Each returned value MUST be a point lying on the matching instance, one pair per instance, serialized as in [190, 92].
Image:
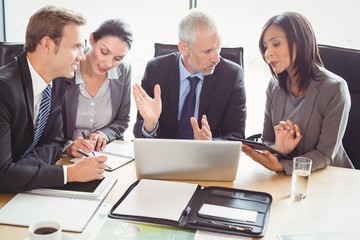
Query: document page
[157, 199]
[118, 154]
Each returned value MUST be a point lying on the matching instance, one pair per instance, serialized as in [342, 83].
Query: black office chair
[235, 54]
[8, 51]
[346, 63]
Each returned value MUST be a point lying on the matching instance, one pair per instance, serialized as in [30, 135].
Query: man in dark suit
[220, 92]
[53, 49]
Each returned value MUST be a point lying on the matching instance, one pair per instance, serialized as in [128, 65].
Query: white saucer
[63, 237]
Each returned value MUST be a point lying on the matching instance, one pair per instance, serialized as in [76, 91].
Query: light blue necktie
[44, 111]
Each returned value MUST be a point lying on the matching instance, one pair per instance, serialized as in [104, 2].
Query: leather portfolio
[192, 206]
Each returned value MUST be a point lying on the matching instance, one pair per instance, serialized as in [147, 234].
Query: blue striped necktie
[185, 130]
[43, 115]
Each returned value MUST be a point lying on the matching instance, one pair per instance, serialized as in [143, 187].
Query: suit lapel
[208, 87]
[308, 106]
[27, 84]
[172, 86]
[71, 104]
[115, 101]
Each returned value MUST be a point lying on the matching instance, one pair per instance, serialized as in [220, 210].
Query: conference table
[332, 204]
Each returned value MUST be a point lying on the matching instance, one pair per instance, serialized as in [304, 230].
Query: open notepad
[71, 206]
[118, 154]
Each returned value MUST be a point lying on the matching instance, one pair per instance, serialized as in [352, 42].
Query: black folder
[235, 200]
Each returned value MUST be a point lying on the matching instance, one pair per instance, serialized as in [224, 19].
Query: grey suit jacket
[120, 90]
[222, 97]
[323, 119]
[36, 169]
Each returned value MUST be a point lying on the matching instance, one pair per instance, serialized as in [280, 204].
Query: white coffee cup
[45, 230]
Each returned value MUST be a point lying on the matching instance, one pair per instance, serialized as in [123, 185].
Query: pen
[88, 155]
[223, 225]
[84, 136]
[83, 153]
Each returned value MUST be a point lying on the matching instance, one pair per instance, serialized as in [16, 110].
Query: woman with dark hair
[307, 106]
[97, 100]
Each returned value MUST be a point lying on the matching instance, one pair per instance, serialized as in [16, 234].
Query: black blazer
[37, 168]
[222, 98]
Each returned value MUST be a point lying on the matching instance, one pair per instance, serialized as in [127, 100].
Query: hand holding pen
[87, 154]
[82, 143]
[89, 168]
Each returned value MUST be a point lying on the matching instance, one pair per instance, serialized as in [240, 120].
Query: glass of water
[300, 177]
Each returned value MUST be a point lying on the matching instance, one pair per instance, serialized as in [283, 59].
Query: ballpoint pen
[225, 226]
[83, 153]
[88, 155]
[84, 136]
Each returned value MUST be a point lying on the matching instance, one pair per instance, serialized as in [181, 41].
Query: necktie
[44, 111]
[184, 130]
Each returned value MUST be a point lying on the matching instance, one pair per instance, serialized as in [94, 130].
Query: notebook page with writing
[71, 211]
[118, 154]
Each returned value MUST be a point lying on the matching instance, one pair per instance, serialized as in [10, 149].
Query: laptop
[175, 159]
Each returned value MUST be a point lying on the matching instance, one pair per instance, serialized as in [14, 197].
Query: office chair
[346, 63]
[235, 54]
[8, 51]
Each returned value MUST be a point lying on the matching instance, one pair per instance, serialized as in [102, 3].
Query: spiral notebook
[118, 154]
[72, 208]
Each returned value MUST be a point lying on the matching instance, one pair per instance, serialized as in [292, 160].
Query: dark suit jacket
[36, 169]
[222, 97]
[120, 90]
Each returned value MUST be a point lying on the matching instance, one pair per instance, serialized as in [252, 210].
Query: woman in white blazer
[97, 100]
[307, 106]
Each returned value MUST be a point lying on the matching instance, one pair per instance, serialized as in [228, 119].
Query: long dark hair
[300, 34]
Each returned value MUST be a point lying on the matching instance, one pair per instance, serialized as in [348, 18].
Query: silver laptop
[175, 159]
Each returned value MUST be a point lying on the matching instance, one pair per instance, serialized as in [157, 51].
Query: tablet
[261, 147]
[83, 189]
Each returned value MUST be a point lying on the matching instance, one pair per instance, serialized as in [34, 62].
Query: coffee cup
[45, 230]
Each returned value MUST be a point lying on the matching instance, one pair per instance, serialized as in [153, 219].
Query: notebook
[175, 159]
[118, 154]
[72, 206]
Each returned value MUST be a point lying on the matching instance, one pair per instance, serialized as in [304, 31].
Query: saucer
[63, 237]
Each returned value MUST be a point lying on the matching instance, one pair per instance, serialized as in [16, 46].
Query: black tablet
[261, 147]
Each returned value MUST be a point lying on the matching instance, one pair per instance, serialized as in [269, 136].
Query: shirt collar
[113, 73]
[38, 82]
[184, 73]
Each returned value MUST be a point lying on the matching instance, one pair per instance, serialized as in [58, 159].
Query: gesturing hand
[149, 108]
[204, 133]
[287, 136]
